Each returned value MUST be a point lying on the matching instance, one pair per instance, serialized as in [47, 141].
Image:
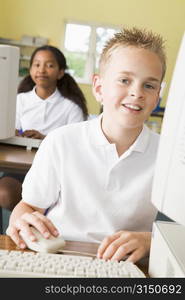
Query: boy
[95, 177]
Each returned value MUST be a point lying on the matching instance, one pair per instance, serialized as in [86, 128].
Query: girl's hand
[133, 244]
[33, 134]
[18, 132]
[35, 219]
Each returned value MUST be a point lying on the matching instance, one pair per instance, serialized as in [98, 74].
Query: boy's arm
[24, 215]
[135, 245]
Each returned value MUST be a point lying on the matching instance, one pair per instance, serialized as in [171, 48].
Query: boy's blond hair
[135, 37]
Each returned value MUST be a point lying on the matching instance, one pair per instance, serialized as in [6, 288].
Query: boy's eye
[124, 80]
[149, 86]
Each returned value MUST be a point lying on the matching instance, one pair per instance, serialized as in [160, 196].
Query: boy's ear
[97, 88]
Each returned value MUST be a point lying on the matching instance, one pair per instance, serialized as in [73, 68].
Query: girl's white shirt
[32, 112]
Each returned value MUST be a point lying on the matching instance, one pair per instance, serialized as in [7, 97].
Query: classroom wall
[2, 23]
[46, 18]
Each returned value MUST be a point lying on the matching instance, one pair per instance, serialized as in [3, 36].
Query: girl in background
[47, 98]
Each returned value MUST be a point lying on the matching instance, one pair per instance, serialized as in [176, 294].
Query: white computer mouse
[50, 245]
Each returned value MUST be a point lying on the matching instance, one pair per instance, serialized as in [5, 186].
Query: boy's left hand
[135, 245]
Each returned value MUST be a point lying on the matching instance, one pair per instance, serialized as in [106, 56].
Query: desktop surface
[15, 158]
[91, 248]
[79, 247]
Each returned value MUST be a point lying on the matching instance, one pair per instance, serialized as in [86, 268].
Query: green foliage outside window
[76, 63]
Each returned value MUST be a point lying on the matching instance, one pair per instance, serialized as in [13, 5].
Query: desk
[15, 158]
[91, 248]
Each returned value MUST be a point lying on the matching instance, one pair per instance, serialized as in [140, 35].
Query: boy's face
[129, 86]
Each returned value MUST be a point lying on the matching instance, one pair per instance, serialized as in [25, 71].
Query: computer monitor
[9, 66]
[168, 193]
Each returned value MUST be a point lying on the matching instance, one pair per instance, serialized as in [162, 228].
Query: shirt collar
[98, 138]
[141, 142]
[96, 134]
[53, 96]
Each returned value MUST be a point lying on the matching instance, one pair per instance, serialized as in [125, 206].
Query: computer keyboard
[46, 265]
[29, 143]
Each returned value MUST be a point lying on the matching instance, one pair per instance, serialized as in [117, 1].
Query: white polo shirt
[32, 112]
[91, 191]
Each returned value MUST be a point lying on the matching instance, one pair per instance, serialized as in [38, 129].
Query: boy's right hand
[35, 219]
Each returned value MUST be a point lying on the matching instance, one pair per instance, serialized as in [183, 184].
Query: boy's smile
[129, 87]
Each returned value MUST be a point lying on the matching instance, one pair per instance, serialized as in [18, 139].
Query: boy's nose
[136, 92]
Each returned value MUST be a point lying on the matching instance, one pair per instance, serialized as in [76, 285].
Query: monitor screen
[9, 66]
[168, 193]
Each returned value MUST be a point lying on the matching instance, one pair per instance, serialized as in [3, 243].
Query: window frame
[91, 54]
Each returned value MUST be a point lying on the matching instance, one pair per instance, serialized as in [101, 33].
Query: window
[83, 44]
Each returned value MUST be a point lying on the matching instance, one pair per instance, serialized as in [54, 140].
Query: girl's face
[44, 70]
